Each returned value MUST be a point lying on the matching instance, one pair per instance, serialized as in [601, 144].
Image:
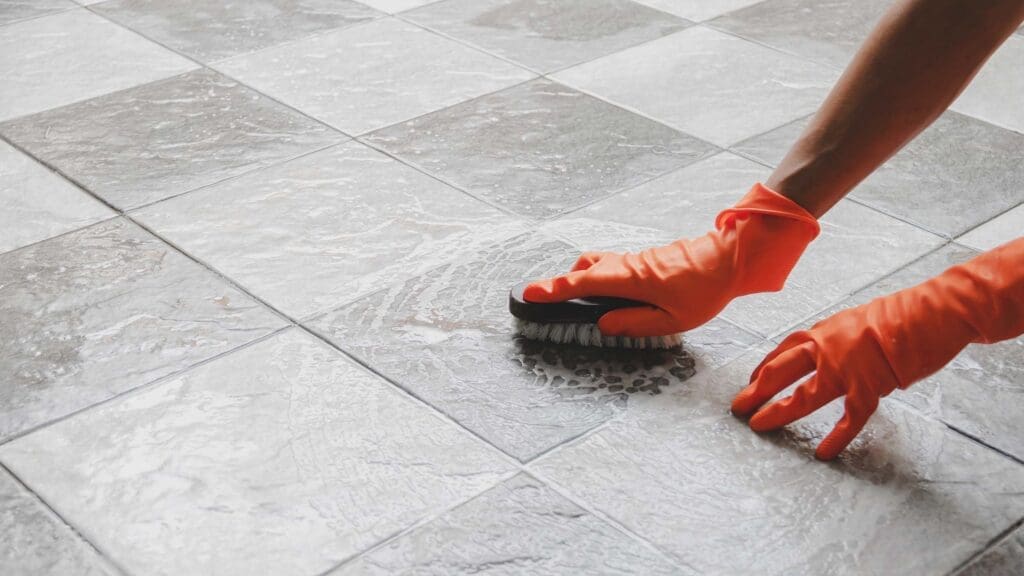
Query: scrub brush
[575, 322]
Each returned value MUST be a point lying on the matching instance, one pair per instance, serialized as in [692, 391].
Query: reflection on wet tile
[446, 337]
[981, 392]
[997, 231]
[539, 148]
[59, 59]
[1005, 559]
[37, 542]
[37, 203]
[168, 137]
[91, 314]
[994, 94]
[14, 10]
[679, 469]
[373, 75]
[210, 31]
[547, 34]
[957, 174]
[518, 527]
[697, 10]
[827, 32]
[300, 456]
[321, 230]
[723, 89]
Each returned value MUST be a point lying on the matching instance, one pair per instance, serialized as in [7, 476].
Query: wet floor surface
[254, 259]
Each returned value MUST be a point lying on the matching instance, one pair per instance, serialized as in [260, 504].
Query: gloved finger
[559, 288]
[587, 259]
[858, 411]
[773, 376]
[638, 322]
[808, 397]
[793, 340]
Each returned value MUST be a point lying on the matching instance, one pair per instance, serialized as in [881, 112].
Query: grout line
[57, 12]
[993, 543]
[974, 438]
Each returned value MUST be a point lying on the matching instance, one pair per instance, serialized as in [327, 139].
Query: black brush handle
[580, 310]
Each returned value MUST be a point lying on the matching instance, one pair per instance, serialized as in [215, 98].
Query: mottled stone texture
[14, 10]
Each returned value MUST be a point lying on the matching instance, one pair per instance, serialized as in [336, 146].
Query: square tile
[319, 231]
[56, 60]
[39, 543]
[697, 10]
[520, 526]
[162, 139]
[209, 31]
[1004, 559]
[97, 312]
[395, 6]
[994, 94]
[301, 457]
[955, 175]
[39, 204]
[723, 89]
[374, 75]
[680, 470]
[827, 32]
[995, 232]
[540, 148]
[981, 391]
[15, 10]
[447, 337]
[547, 35]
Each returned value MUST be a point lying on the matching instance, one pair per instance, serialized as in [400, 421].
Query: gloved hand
[866, 352]
[753, 248]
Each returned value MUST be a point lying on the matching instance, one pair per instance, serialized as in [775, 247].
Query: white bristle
[590, 335]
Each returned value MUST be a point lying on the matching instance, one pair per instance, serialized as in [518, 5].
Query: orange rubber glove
[891, 342]
[754, 246]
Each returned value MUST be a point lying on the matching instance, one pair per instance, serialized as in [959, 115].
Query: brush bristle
[589, 335]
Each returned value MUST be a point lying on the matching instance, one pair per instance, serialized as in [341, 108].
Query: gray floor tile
[209, 31]
[827, 32]
[519, 527]
[321, 230]
[395, 6]
[15, 10]
[37, 203]
[680, 470]
[997, 231]
[982, 391]
[37, 542]
[723, 89]
[697, 10]
[994, 94]
[548, 34]
[1005, 559]
[957, 174]
[539, 148]
[94, 313]
[446, 337]
[158, 140]
[56, 60]
[282, 458]
[374, 75]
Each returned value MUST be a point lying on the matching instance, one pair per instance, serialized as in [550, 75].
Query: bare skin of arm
[914, 64]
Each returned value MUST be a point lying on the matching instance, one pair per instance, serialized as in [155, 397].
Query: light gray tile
[321, 230]
[771, 147]
[548, 34]
[37, 203]
[999, 230]
[723, 89]
[697, 10]
[955, 175]
[539, 148]
[93, 313]
[1005, 559]
[446, 336]
[981, 392]
[15, 10]
[994, 94]
[395, 6]
[373, 75]
[168, 137]
[680, 470]
[518, 527]
[37, 542]
[281, 458]
[209, 31]
[828, 32]
[56, 60]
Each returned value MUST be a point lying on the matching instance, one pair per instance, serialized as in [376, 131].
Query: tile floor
[253, 264]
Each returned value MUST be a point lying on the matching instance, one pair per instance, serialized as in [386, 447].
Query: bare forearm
[921, 55]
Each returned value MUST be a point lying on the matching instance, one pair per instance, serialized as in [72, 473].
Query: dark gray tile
[91, 314]
[280, 458]
[1005, 559]
[210, 31]
[37, 542]
[14, 10]
[518, 527]
[539, 148]
[446, 337]
[154, 141]
[548, 34]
